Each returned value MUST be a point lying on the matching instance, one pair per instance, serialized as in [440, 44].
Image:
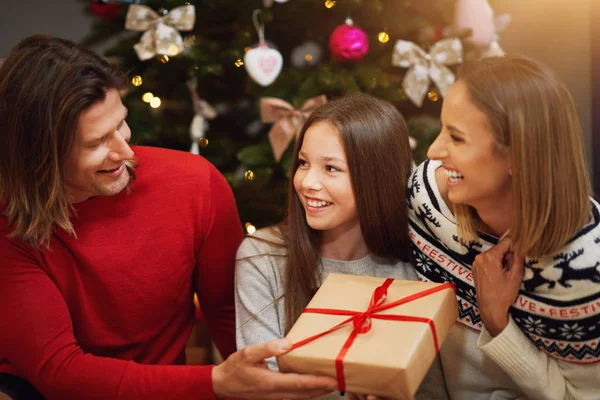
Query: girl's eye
[302, 163]
[331, 168]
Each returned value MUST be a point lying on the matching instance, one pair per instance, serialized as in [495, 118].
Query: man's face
[96, 164]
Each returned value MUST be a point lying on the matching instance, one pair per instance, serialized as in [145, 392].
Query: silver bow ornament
[425, 67]
[202, 112]
[161, 34]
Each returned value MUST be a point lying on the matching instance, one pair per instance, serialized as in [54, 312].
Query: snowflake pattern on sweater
[558, 307]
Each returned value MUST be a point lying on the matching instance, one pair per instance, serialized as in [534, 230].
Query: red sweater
[107, 315]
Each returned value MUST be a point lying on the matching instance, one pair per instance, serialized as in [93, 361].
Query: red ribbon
[362, 321]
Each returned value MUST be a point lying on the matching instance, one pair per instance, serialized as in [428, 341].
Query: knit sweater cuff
[511, 350]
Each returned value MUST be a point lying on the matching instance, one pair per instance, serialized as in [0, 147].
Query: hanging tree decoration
[348, 43]
[476, 18]
[202, 112]
[262, 62]
[307, 54]
[161, 34]
[287, 120]
[425, 67]
[493, 48]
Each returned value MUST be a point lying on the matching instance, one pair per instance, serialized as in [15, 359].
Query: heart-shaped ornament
[263, 64]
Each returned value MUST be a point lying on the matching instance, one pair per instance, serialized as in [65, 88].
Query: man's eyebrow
[124, 117]
[92, 140]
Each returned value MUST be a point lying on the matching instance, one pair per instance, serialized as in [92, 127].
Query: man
[103, 246]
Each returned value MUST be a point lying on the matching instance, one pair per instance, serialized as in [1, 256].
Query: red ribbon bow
[362, 321]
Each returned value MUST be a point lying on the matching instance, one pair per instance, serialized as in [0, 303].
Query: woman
[349, 165]
[502, 210]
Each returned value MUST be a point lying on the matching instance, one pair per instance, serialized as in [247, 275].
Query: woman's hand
[498, 274]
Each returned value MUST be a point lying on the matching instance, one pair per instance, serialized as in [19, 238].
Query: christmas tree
[321, 53]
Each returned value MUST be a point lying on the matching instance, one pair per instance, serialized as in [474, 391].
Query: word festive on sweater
[161, 35]
[558, 306]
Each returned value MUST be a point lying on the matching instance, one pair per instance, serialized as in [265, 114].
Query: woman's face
[322, 181]
[478, 170]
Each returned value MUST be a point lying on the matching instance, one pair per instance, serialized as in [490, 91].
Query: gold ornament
[287, 120]
[425, 67]
[330, 3]
[383, 37]
[164, 58]
[161, 34]
[136, 80]
[249, 175]
[433, 96]
[239, 62]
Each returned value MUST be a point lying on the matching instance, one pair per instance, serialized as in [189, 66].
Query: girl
[508, 162]
[350, 164]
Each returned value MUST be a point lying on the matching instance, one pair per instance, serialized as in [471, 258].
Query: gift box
[376, 336]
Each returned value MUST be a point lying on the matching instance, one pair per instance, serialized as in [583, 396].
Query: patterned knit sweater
[558, 306]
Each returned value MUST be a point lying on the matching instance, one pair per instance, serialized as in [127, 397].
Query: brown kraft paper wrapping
[392, 358]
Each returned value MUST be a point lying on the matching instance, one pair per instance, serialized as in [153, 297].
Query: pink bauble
[348, 43]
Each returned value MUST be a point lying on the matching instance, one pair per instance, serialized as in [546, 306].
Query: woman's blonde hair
[534, 119]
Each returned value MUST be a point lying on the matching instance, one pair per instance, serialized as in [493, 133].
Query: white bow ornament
[425, 67]
[161, 34]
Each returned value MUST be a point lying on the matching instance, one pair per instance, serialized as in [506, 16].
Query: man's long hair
[45, 85]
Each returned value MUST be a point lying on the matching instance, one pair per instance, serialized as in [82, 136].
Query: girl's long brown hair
[379, 161]
[45, 84]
